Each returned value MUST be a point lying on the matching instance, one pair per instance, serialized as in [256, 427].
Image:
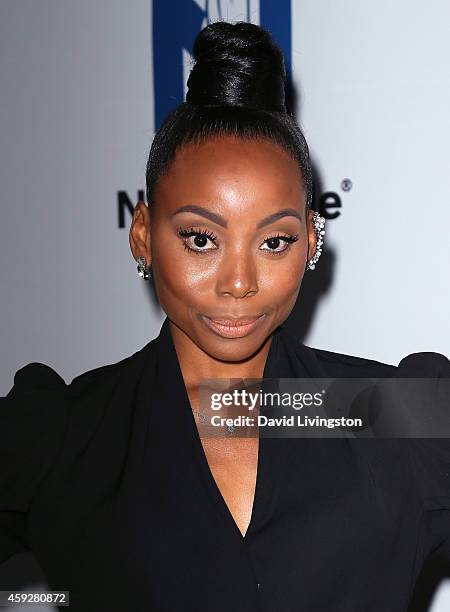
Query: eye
[275, 242]
[195, 239]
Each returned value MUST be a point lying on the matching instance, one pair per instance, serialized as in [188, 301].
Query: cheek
[178, 274]
[282, 277]
[186, 277]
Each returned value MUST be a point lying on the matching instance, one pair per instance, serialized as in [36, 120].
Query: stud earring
[319, 224]
[142, 269]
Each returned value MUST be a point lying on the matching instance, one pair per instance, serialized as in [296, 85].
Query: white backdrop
[76, 126]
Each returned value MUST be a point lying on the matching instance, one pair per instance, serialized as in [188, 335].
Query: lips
[234, 322]
[235, 327]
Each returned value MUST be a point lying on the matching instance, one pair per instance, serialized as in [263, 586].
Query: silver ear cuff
[142, 269]
[319, 224]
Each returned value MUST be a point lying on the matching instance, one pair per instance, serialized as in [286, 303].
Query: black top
[106, 480]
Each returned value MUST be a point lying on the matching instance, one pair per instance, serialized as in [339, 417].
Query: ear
[312, 238]
[139, 236]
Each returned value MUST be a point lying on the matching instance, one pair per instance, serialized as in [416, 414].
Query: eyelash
[194, 231]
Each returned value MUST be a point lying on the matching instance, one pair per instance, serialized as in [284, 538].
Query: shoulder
[37, 390]
[425, 364]
[324, 363]
[35, 410]
[350, 361]
[102, 379]
[334, 364]
[418, 364]
[427, 458]
[39, 393]
[35, 376]
[36, 415]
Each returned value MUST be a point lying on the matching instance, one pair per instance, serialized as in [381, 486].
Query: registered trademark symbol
[346, 184]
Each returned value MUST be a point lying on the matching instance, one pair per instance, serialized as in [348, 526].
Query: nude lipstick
[233, 328]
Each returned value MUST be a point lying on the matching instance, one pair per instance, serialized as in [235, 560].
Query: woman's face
[227, 239]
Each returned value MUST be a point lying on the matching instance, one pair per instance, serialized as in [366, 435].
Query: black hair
[236, 87]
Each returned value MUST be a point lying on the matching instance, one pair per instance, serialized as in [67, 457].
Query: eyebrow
[219, 220]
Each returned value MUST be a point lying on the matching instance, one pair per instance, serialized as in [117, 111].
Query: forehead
[230, 170]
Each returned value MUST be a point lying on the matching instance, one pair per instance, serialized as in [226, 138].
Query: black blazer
[106, 480]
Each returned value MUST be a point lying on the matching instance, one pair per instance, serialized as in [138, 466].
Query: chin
[233, 350]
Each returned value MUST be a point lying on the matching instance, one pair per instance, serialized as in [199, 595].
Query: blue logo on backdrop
[176, 24]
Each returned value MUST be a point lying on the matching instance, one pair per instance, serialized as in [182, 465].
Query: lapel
[287, 358]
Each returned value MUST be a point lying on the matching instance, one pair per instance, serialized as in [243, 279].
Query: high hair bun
[237, 65]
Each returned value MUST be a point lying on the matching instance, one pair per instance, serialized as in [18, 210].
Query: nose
[237, 275]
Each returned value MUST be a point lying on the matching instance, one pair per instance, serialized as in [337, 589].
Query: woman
[107, 480]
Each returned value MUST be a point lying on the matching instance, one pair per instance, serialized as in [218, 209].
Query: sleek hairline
[195, 124]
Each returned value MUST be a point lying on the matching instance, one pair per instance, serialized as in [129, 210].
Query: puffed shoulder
[35, 376]
[424, 364]
[32, 423]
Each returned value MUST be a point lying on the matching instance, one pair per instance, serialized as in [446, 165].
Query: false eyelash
[289, 238]
[193, 231]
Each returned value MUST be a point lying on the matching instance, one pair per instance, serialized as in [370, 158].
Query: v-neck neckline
[272, 452]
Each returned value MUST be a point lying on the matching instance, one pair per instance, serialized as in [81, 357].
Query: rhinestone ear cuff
[319, 225]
